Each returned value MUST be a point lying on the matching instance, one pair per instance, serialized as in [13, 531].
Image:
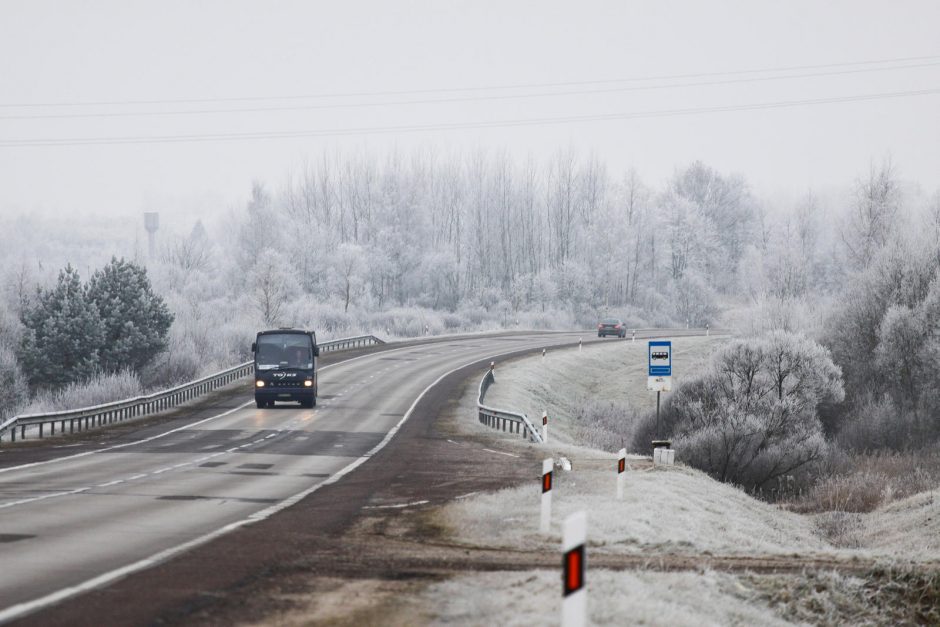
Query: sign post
[660, 372]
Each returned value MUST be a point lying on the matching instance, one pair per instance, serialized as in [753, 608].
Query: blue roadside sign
[660, 358]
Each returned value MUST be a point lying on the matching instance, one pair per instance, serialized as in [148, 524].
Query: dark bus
[286, 367]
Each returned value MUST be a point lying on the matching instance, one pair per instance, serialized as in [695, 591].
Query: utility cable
[470, 89]
[125, 114]
[85, 141]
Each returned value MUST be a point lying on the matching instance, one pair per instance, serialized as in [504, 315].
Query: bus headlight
[308, 383]
[259, 384]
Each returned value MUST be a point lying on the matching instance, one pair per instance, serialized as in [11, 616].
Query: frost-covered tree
[63, 335]
[872, 216]
[348, 265]
[751, 416]
[271, 284]
[135, 320]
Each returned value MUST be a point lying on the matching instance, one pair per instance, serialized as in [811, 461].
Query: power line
[86, 141]
[369, 94]
[124, 114]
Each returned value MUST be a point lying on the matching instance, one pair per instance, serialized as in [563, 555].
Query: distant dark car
[611, 326]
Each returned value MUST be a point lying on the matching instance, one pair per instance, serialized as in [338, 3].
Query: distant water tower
[152, 223]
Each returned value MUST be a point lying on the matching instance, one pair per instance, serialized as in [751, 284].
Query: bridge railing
[503, 419]
[75, 420]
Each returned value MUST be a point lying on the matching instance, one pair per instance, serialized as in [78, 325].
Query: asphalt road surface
[80, 518]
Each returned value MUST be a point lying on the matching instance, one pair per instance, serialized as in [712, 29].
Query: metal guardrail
[108, 413]
[503, 419]
[350, 342]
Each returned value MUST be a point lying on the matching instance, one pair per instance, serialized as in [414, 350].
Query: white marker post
[547, 465]
[544, 427]
[574, 599]
[543, 353]
[633, 337]
[621, 471]
[579, 344]
[706, 329]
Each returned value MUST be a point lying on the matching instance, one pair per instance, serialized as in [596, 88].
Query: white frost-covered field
[674, 510]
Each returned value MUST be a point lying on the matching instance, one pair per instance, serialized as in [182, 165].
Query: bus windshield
[281, 351]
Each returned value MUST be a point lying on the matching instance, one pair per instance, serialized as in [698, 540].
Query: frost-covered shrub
[751, 416]
[876, 424]
[100, 389]
[451, 321]
[864, 482]
[14, 389]
[549, 319]
[603, 425]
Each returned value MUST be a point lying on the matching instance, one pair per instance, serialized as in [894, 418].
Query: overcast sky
[168, 60]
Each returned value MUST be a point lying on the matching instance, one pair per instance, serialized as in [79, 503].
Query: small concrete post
[545, 522]
[621, 471]
[574, 594]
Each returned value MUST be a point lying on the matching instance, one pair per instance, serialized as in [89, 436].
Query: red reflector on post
[574, 570]
[621, 465]
[546, 482]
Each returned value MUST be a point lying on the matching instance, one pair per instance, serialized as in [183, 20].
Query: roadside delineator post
[633, 337]
[621, 471]
[574, 594]
[547, 465]
[706, 329]
[579, 344]
[543, 353]
[544, 427]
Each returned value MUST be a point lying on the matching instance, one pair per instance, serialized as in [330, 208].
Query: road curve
[73, 523]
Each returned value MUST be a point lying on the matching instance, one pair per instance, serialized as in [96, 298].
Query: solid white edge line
[400, 506]
[27, 607]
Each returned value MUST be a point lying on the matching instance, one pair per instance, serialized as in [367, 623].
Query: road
[66, 521]
[76, 522]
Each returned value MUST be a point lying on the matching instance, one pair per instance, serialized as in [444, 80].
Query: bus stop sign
[660, 359]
